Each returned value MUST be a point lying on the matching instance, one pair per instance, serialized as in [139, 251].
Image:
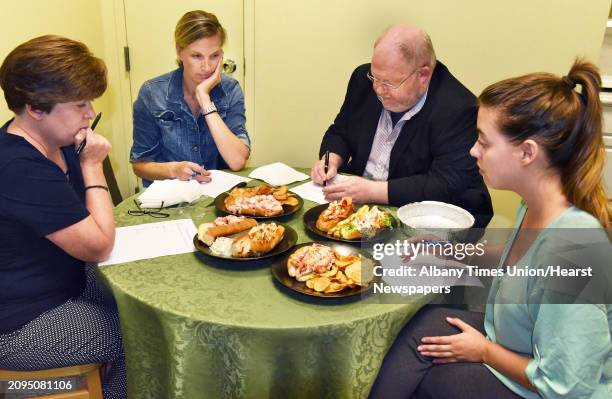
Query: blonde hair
[195, 25]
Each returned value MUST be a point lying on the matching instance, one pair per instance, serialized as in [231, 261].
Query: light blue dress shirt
[569, 344]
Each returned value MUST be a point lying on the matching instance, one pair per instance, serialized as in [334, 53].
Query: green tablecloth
[198, 328]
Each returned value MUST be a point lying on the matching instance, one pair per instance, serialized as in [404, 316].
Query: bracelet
[210, 112]
[96, 186]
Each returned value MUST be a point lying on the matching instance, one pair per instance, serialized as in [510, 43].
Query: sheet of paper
[278, 174]
[314, 192]
[170, 192]
[152, 240]
[221, 182]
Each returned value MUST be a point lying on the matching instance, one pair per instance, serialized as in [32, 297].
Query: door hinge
[126, 56]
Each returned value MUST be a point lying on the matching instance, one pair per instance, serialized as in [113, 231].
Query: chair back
[113, 188]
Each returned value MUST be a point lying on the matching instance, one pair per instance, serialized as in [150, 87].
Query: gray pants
[80, 331]
[407, 374]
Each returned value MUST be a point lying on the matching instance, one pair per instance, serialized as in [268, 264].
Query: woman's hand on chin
[204, 88]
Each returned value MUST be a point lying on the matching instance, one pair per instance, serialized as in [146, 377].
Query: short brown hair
[48, 70]
[195, 25]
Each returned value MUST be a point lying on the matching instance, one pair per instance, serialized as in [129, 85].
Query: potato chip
[310, 283]
[345, 262]
[290, 201]
[281, 190]
[334, 287]
[353, 271]
[360, 274]
[341, 277]
[264, 189]
[330, 273]
[321, 283]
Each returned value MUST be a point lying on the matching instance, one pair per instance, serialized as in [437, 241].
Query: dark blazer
[430, 159]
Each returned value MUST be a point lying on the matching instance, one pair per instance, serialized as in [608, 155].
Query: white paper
[220, 183]
[278, 174]
[152, 240]
[314, 192]
[174, 191]
[170, 192]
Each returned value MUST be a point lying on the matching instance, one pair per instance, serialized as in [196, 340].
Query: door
[150, 35]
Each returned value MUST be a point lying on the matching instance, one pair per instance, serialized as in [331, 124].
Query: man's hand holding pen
[319, 174]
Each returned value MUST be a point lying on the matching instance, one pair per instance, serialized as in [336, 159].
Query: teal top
[569, 344]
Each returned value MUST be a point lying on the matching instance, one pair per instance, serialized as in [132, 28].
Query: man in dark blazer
[407, 126]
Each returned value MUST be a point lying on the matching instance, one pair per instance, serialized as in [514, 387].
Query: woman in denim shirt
[193, 118]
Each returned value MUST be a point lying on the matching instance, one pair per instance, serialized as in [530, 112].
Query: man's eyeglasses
[387, 84]
[156, 213]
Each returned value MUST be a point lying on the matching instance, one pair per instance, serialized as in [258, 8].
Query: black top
[430, 159]
[36, 199]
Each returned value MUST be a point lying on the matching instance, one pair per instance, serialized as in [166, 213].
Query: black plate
[286, 244]
[287, 210]
[310, 221]
[280, 273]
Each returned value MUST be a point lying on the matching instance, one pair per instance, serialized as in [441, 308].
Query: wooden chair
[91, 372]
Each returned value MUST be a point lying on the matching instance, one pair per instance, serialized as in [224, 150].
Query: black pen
[326, 166]
[93, 126]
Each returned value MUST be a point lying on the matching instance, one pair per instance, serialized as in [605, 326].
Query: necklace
[26, 135]
[60, 160]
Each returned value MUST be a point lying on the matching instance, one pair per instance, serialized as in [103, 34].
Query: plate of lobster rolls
[259, 202]
[320, 269]
[243, 238]
[343, 220]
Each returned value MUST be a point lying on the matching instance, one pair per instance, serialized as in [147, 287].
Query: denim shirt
[165, 130]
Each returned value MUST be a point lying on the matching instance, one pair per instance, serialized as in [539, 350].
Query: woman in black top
[55, 214]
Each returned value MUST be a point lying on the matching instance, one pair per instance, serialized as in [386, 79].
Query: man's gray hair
[421, 53]
[416, 48]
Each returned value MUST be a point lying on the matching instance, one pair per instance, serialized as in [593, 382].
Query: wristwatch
[209, 109]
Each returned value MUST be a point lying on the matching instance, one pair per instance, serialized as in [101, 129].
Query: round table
[195, 327]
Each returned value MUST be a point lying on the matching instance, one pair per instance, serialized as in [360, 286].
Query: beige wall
[306, 50]
[24, 20]
[299, 55]
[80, 20]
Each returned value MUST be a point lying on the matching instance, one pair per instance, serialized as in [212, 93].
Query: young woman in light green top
[540, 136]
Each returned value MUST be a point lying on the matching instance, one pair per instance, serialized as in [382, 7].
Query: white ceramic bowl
[444, 220]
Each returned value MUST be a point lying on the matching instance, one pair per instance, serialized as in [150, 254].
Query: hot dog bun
[292, 267]
[260, 240]
[223, 226]
[335, 213]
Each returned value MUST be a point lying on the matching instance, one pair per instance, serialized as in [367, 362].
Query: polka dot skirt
[80, 331]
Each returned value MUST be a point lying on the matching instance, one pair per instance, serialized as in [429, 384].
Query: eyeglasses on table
[155, 212]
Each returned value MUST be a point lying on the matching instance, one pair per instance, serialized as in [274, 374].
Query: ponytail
[583, 173]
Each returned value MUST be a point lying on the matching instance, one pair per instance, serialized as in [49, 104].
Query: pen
[194, 173]
[326, 166]
[93, 126]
